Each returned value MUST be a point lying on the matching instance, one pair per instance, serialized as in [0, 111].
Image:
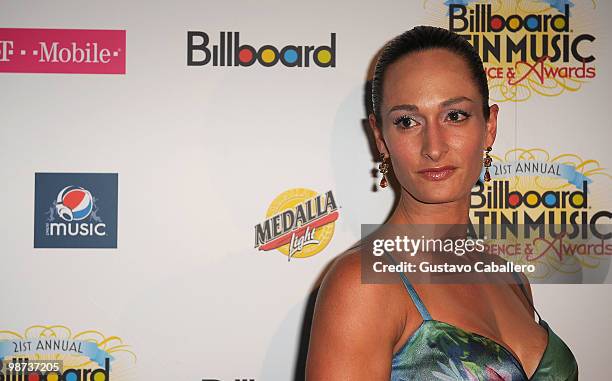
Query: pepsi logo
[74, 203]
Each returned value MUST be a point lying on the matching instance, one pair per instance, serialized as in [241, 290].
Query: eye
[404, 122]
[456, 116]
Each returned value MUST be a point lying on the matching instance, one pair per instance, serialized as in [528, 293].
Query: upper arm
[353, 330]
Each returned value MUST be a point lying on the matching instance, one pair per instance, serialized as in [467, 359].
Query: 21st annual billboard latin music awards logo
[230, 50]
[528, 48]
[75, 210]
[76, 51]
[299, 223]
[531, 189]
[56, 353]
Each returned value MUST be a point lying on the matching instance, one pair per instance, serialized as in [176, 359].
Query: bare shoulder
[343, 290]
[523, 292]
[524, 280]
[355, 325]
[344, 274]
[527, 285]
[343, 284]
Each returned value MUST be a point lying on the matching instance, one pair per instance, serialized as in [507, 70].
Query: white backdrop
[201, 152]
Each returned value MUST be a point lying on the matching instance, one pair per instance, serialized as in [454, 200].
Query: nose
[434, 142]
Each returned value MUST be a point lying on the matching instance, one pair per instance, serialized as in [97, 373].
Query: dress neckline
[514, 358]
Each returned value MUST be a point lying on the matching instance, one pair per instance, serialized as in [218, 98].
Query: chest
[497, 313]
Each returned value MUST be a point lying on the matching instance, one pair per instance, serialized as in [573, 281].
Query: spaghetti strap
[520, 282]
[412, 292]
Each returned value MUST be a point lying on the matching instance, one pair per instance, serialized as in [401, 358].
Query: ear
[378, 135]
[491, 128]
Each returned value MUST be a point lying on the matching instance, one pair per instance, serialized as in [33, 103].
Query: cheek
[468, 149]
[405, 153]
[469, 153]
[465, 149]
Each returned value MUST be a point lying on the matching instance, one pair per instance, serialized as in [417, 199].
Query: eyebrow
[446, 103]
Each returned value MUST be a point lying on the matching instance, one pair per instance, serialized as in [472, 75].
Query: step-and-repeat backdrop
[155, 156]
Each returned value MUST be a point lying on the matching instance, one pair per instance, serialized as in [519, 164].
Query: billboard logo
[528, 48]
[75, 216]
[530, 187]
[77, 51]
[57, 353]
[229, 52]
[520, 36]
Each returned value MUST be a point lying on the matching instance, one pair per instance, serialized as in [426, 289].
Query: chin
[441, 198]
[438, 193]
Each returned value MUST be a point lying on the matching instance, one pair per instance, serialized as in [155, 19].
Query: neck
[411, 211]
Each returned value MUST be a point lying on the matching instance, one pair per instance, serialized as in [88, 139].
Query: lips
[437, 173]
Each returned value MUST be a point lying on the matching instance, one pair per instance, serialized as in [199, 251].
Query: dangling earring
[487, 163]
[383, 168]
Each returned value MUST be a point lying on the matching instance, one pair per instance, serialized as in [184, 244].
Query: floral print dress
[439, 351]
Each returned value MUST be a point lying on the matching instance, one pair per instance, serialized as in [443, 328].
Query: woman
[431, 122]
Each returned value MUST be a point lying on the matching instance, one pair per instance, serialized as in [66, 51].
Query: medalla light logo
[69, 215]
[230, 52]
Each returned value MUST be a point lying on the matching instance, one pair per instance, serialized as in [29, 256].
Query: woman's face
[433, 127]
